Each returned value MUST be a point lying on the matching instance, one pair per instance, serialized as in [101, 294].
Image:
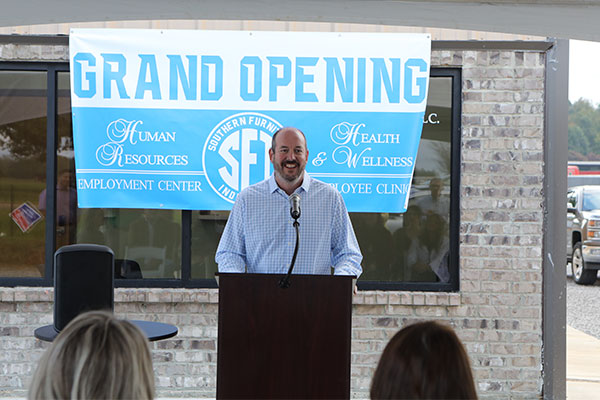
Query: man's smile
[290, 164]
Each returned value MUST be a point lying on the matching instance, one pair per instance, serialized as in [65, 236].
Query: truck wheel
[581, 275]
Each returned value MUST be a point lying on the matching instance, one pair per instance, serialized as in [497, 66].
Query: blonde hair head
[96, 356]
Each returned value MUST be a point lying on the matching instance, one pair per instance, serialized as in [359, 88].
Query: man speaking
[259, 236]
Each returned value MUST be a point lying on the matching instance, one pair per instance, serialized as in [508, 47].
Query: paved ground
[583, 307]
[583, 341]
[583, 362]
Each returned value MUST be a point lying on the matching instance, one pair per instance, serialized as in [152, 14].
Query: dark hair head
[424, 361]
[414, 209]
[436, 219]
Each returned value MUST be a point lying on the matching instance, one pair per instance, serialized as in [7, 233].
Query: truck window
[591, 201]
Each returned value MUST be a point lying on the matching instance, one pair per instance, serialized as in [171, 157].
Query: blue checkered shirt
[259, 236]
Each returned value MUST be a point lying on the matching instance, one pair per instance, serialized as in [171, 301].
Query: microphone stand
[284, 283]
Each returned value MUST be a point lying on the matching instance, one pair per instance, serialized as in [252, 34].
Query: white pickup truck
[583, 232]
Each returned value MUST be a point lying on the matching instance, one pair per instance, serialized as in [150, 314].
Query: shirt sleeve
[231, 253]
[345, 252]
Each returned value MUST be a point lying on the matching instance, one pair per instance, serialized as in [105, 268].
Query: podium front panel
[284, 343]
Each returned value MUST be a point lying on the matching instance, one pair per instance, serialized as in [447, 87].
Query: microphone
[295, 208]
[284, 283]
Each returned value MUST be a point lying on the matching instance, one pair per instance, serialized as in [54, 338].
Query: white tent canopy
[569, 19]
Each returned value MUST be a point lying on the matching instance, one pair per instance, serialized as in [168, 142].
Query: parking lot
[583, 308]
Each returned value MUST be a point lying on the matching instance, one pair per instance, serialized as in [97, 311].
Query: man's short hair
[283, 129]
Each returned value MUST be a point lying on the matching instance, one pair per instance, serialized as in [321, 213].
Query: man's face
[436, 188]
[290, 155]
[64, 180]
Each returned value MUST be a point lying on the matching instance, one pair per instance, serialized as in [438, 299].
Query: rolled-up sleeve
[345, 252]
[231, 253]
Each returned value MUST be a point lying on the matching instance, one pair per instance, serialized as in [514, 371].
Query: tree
[584, 130]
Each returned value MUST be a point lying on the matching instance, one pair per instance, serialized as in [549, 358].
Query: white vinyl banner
[184, 119]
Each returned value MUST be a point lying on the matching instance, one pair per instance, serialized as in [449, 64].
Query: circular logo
[236, 153]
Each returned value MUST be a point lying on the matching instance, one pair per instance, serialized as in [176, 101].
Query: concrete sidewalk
[583, 366]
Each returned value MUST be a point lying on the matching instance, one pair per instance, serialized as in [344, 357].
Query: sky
[584, 71]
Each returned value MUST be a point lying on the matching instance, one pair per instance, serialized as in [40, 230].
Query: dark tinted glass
[146, 243]
[23, 108]
[413, 247]
[207, 228]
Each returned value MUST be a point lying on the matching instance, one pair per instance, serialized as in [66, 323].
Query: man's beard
[280, 169]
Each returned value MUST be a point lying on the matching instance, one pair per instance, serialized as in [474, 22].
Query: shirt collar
[305, 183]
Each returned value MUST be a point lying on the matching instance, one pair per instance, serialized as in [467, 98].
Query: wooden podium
[291, 343]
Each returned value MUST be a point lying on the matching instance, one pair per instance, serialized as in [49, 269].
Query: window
[207, 228]
[149, 239]
[417, 250]
[23, 123]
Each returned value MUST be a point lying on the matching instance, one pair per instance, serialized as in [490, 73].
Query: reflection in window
[23, 108]
[66, 207]
[152, 238]
[414, 246]
[67, 214]
[207, 228]
[146, 243]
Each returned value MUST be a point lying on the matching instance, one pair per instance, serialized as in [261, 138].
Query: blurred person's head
[434, 223]
[412, 217]
[435, 186]
[424, 361]
[96, 356]
[64, 179]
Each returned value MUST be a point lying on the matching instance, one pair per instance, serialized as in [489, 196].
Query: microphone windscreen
[295, 205]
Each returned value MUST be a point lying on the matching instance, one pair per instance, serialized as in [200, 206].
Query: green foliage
[25, 139]
[20, 190]
[584, 131]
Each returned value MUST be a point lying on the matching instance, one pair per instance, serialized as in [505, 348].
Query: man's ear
[271, 153]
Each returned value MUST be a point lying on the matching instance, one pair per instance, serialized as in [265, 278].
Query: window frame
[454, 222]
[52, 69]
[186, 280]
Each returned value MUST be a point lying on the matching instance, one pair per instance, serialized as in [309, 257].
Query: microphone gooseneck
[284, 283]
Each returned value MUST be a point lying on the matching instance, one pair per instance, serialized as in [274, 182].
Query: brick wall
[497, 313]
[501, 199]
